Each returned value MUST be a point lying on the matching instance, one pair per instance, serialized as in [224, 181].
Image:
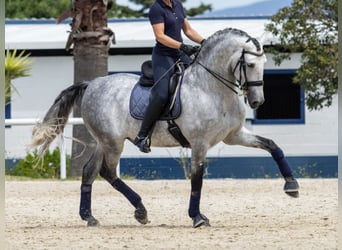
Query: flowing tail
[57, 116]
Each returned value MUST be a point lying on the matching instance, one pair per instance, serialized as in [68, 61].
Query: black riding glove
[189, 49]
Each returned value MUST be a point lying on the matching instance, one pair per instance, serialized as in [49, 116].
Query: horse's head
[244, 58]
[248, 68]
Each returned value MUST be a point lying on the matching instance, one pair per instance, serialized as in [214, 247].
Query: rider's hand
[189, 49]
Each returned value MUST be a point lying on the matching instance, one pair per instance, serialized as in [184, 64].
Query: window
[284, 101]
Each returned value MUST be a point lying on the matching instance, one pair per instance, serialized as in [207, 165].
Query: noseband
[242, 66]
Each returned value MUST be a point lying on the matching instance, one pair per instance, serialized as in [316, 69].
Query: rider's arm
[191, 33]
[158, 30]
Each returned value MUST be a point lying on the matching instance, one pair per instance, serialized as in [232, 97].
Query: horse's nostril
[255, 105]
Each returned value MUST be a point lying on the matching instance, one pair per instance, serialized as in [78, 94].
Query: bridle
[242, 65]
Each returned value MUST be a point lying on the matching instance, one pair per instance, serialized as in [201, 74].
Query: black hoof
[140, 214]
[293, 194]
[291, 187]
[200, 220]
[92, 222]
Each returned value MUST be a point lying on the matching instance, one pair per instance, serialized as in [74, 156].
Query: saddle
[140, 94]
[139, 99]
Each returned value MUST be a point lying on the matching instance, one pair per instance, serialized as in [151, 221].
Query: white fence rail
[31, 121]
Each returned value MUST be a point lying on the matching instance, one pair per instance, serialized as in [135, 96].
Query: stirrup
[143, 143]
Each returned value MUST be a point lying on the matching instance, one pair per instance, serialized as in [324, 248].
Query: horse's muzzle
[256, 104]
[255, 99]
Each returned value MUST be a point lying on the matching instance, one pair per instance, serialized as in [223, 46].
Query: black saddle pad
[139, 100]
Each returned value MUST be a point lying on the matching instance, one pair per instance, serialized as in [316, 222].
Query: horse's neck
[217, 62]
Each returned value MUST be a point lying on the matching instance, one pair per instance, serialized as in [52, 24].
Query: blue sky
[216, 4]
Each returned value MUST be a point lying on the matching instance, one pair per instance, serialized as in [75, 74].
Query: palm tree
[15, 66]
[90, 37]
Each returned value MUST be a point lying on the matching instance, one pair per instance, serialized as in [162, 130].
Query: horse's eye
[251, 65]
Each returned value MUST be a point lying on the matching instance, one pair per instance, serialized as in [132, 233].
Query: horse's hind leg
[108, 172]
[245, 138]
[90, 171]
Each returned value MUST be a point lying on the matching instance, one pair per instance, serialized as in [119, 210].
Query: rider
[167, 18]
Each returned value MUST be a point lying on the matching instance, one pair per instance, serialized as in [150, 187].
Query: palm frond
[16, 65]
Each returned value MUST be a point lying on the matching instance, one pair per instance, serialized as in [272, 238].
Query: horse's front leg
[245, 138]
[291, 186]
[197, 169]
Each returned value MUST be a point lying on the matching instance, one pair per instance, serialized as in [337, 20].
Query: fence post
[62, 157]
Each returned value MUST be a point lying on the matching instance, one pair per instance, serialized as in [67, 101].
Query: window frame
[8, 110]
[301, 119]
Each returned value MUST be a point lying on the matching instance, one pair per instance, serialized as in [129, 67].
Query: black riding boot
[153, 111]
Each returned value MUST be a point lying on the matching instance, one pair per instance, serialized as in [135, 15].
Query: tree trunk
[89, 63]
[91, 39]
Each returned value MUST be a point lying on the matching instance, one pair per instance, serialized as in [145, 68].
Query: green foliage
[142, 11]
[36, 9]
[198, 10]
[310, 27]
[15, 66]
[312, 171]
[185, 162]
[34, 167]
[53, 9]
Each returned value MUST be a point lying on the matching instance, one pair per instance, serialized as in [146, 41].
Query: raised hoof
[293, 194]
[200, 220]
[92, 222]
[291, 187]
[140, 214]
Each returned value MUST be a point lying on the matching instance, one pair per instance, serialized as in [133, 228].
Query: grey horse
[230, 63]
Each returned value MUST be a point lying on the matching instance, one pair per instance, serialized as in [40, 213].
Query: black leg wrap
[195, 197]
[197, 179]
[85, 204]
[291, 186]
[194, 203]
[132, 196]
[283, 165]
[140, 212]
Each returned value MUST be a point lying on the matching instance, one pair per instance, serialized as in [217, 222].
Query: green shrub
[46, 167]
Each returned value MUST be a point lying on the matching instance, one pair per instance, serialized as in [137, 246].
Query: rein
[242, 67]
[222, 79]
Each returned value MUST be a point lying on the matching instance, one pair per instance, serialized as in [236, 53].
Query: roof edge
[123, 20]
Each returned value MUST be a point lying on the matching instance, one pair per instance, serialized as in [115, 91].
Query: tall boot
[153, 111]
